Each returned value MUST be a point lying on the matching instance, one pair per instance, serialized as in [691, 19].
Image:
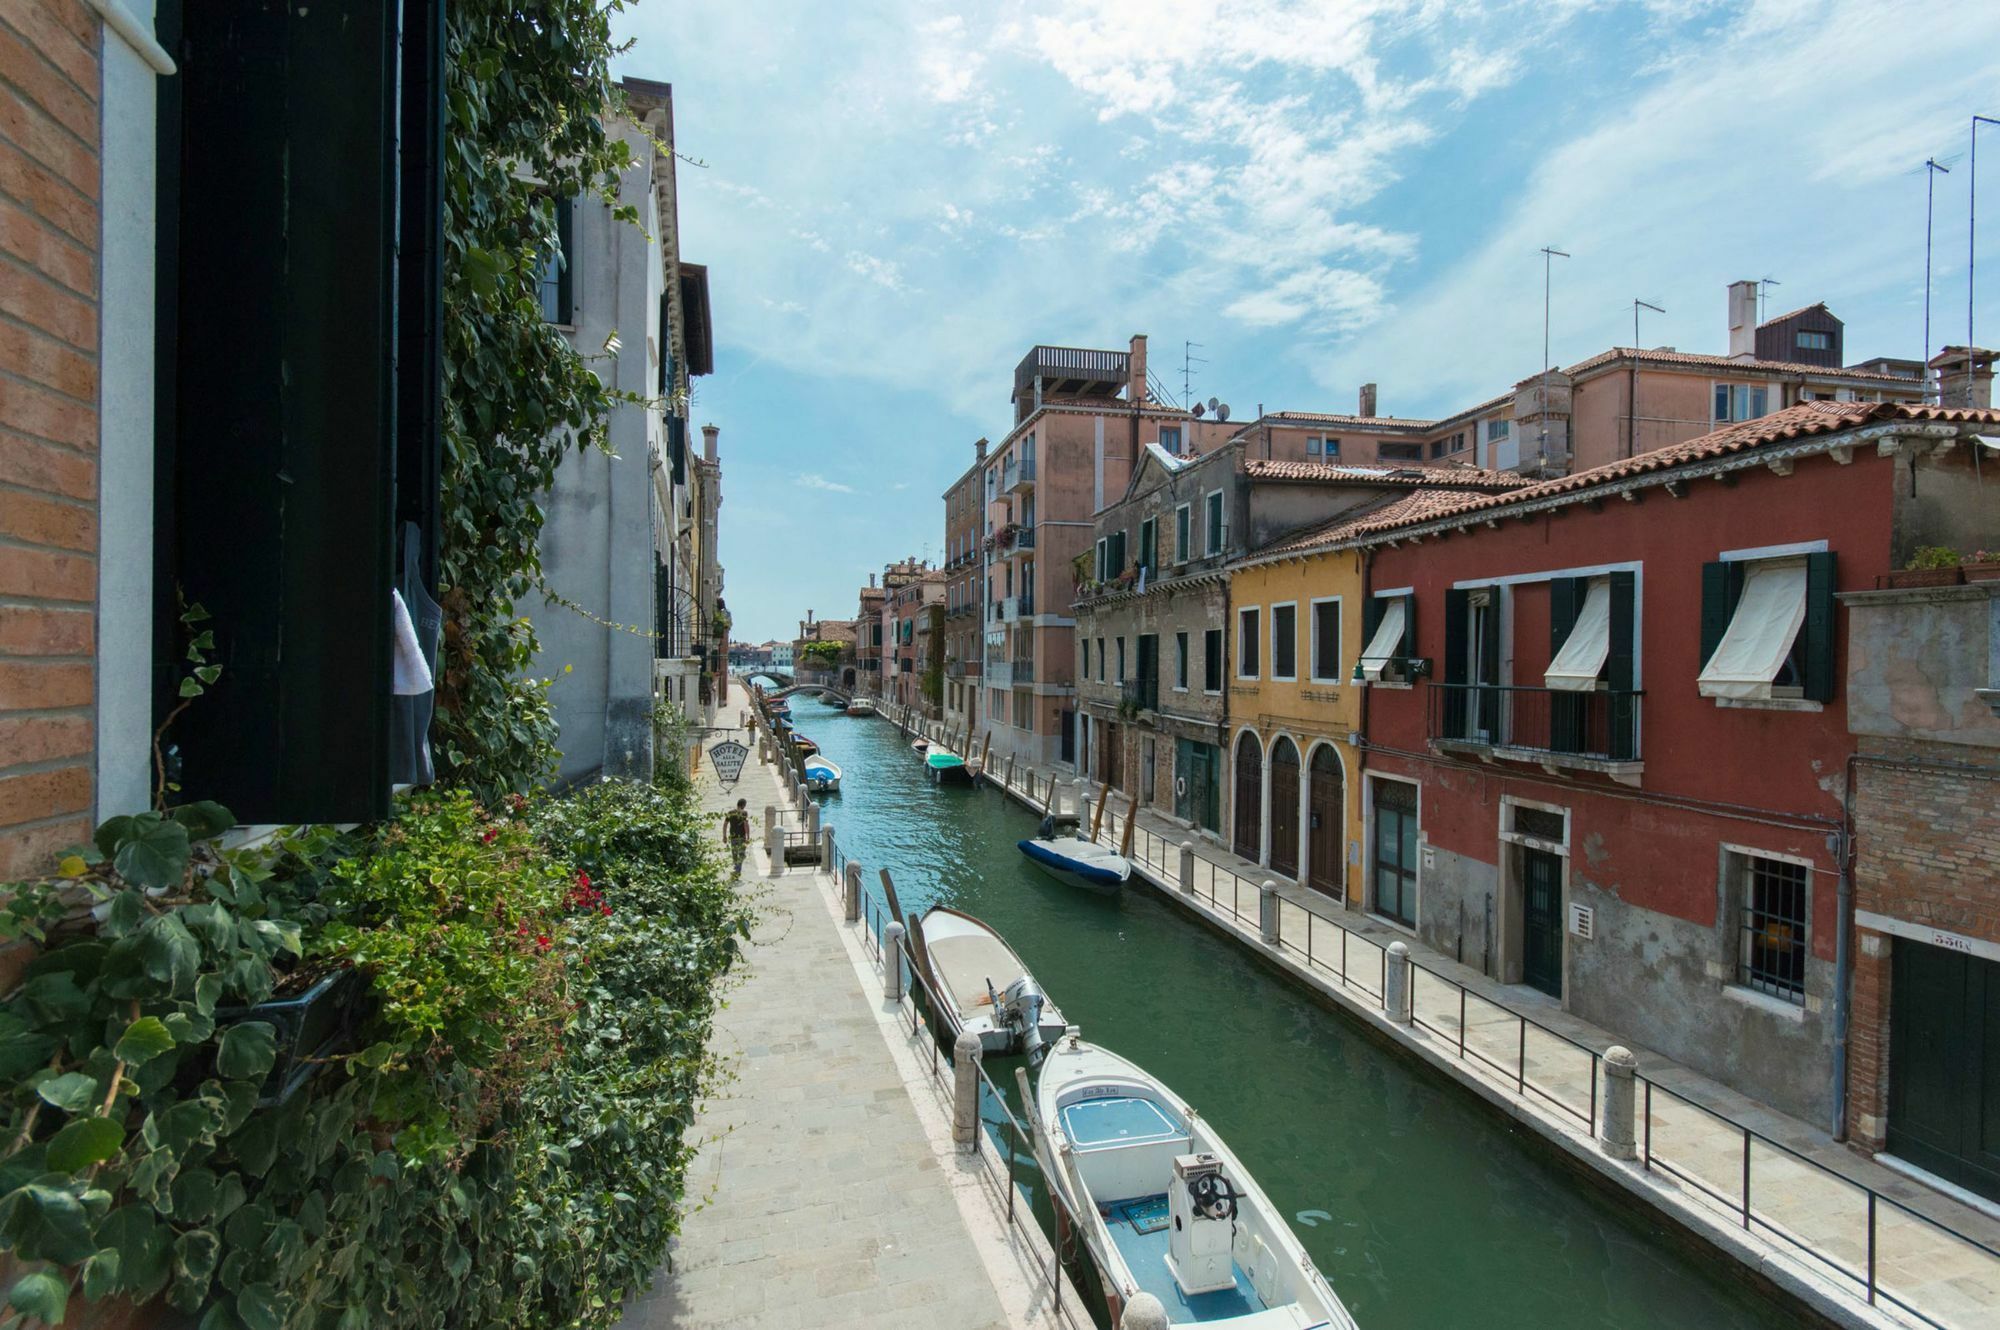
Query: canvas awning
[1760, 634]
[1581, 660]
[1387, 643]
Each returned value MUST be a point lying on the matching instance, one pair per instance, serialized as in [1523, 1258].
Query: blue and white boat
[1164, 1206]
[822, 774]
[1059, 849]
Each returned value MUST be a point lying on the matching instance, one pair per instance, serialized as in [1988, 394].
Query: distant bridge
[826, 692]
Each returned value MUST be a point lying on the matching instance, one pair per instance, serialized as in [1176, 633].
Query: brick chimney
[1742, 320]
[981, 446]
[709, 434]
[1368, 399]
[1964, 378]
[1135, 383]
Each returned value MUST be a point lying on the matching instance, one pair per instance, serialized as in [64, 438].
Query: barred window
[1773, 908]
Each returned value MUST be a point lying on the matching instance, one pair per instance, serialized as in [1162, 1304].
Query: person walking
[736, 833]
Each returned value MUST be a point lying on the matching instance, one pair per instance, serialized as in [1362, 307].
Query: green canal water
[1423, 1209]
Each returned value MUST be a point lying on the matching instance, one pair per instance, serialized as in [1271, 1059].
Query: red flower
[522, 931]
[607, 911]
[583, 881]
[492, 834]
[542, 942]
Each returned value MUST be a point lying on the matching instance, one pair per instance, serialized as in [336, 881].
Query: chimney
[709, 434]
[1742, 320]
[871, 581]
[981, 446]
[1964, 377]
[1135, 383]
[1368, 399]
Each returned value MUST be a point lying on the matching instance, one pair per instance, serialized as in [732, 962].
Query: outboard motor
[1201, 1207]
[1020, 1008]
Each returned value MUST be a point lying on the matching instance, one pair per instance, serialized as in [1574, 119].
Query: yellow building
[1294, 779]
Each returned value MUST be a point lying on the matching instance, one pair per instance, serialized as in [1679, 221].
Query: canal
[1423, 1208]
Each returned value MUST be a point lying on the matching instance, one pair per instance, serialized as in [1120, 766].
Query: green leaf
[41, 1294]
[208, 673]
[169, 952]
[190, 687]
[153, 852]
[100, 1273]
[196, 1252]
[83, 1142]
[261, 1307]
[205, 819]
[248, 1050]
[141, 1243]
[45, 1223]
[143, 1040]
[72, 1092]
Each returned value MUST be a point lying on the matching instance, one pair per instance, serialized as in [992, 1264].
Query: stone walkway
[824, 1201]
[1809, 1200]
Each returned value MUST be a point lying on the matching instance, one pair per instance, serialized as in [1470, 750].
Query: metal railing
[1602, 724]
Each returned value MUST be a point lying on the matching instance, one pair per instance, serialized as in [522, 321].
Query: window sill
[1795, 1012]
[1768, 704]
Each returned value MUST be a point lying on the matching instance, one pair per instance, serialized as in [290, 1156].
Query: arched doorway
[1249, 795]
[1285, 808]
[1327, 824]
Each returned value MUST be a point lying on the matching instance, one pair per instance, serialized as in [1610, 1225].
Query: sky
[897, 199]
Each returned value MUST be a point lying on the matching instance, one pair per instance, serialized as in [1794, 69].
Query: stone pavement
[824, 1200]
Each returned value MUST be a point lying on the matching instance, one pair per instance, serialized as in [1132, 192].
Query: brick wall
[49, 226]
[1927, 851]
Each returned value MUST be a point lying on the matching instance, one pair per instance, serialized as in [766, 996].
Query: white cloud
[812, 480]
[882, 272]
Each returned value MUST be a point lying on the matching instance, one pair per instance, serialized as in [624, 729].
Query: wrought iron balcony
[1022, 669]
[1551, 726]
[1013, 538]
[1143, 692]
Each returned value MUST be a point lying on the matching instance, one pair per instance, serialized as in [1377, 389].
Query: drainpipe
[1631, 406]
[1367, 556]
[1843, 952]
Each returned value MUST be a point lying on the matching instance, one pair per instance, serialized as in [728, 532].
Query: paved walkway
[827, 1201]
[1809, 1205]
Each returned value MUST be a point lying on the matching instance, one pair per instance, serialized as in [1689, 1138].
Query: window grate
[1774, 928]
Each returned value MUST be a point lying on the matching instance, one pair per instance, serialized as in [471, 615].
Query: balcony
[1144, 693]
[1013, 538]
[1000, 674]
[1018, 477]
[1072, 371]
[1551, 727]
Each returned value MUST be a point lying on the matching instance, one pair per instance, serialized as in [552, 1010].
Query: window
[1400, 452]
[1437, 448]
[1211, 660]
[1498, 429]
[1285, 642]
[1180, 662]
[1249, 622]
[1149, 531]
[1114, 553]
[554, 285]
[1772, 908]
[1170, 438]
[1815, 341]
[1394, 851]
[1312, 445]
[1767, 628]
[1183, 533]
[1103, 550]
[1100, 660]
[1326, 641]
[1120, 676]
[1738, 401]
[1214, 523]
[1389, 638]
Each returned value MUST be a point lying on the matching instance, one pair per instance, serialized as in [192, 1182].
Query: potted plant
[1981, 566]
[313, 1018]
[1930, 565]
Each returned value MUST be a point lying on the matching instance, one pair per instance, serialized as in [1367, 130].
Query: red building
[1607, 755]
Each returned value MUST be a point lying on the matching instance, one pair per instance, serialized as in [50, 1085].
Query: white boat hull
[1082, 864]
[967, 962]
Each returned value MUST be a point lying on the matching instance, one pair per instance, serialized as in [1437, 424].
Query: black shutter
[1326, 640]
[1820, 605]
[1457, 653]
[677, 447]
[1565, 600]
[1721, 588]
[565, 270]
[666, 336]
[278, 457]
[1406, 646]
[1566, 709]
[1371, 619]
[1620, 666]
[420, 283]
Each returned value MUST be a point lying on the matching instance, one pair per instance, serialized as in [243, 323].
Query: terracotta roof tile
[1358, 473]
[1744, 365]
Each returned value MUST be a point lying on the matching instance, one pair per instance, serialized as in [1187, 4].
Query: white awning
[1760, 636]
[1386, 645]
[1581, 660]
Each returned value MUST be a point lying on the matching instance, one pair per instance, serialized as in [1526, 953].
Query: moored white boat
[1163, 1204]
[861, 706]
[982, 986]
[822, 774]
[1059, 849]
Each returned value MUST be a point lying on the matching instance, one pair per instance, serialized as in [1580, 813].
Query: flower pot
[310, 1026]
[1921, 577]
[1988, 571]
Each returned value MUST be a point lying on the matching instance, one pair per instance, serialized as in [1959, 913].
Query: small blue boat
[1059, 850]
[822, 774]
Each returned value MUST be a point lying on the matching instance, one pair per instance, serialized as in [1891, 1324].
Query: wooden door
[1249, 813]
[1326, 826]
[1944, 1064]
[1285, 808]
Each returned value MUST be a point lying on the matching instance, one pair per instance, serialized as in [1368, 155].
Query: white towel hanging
[412, 675]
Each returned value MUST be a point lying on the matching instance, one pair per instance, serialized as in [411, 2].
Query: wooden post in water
[986, 752]
[1097, 818]
[1131, 824]
[1010, 771]
[889, 894]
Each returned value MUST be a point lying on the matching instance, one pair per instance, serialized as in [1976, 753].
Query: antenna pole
[1931, 174]
[1549, 255]
[1972, 225]
[1638, 305]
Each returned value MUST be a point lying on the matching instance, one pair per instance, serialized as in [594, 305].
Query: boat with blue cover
[1164, 1206]
[1060, 849]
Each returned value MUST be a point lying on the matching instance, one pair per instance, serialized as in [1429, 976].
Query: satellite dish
[1213, 404]
[1222, 412]
[1198, 409]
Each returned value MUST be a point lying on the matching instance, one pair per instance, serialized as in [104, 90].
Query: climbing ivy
[528, 91]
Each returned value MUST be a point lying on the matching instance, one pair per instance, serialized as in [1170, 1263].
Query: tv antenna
[1549, 255]
[1933, 168]
[1188, 361]
[1764, 285]
[1971, 226]
[1637, 305]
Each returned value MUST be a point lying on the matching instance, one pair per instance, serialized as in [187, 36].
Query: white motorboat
[822, 774]
[1060, 849]
[1164, 1206]
[861, 706]
[982, 986]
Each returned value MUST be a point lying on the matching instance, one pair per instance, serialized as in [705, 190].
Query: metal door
[1944, 1064]
[1541, 921]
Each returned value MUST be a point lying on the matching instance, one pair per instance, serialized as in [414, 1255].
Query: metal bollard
[1267, 913]
[1144, 1312]
[965, 1056]
[1621, 1100]
[1396, 984]
[892, 961]
[1187, 867]
[774, 848]
[851, 894]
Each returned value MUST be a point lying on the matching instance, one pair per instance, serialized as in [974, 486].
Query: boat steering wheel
[1213, 1197]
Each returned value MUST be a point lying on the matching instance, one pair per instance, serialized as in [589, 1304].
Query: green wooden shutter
[1566, 710]
[1457, 654]
[1407, 648]
[1621, 666]
[1565, 600]
[1820, 606]
[1721, 588]
[565, 268]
